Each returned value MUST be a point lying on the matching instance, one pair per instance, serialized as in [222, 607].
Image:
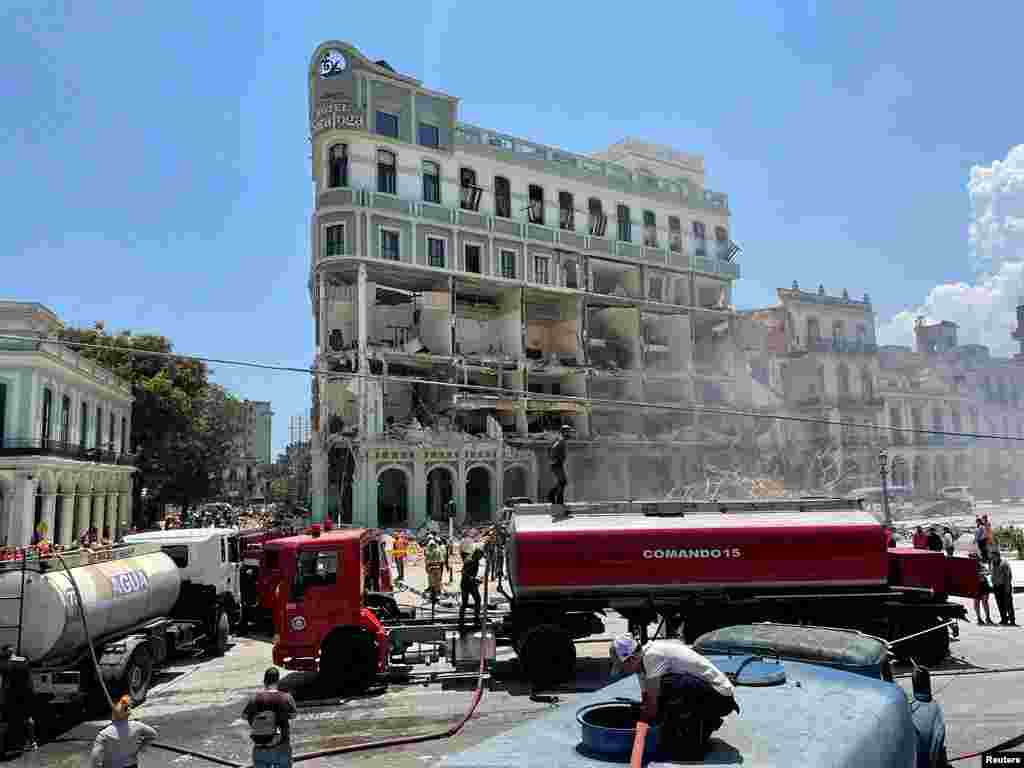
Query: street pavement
[197, 704]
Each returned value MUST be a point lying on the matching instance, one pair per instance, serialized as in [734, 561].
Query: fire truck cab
[330, 588]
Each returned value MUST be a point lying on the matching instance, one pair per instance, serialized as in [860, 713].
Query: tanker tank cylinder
[638, 554]
[116, 595]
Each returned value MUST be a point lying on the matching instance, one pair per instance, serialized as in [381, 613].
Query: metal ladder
[20, 597]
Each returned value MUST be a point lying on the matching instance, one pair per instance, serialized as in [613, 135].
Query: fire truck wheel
[348, 660]
[138, 673]
[547, 655]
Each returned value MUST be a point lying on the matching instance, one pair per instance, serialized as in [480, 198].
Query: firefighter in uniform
[398, 553]
[557, 456]
[435, 567]
[683, 692]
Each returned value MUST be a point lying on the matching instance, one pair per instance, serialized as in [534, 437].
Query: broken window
[430, 135]
[625, 225]
[536, 207]
[650, 230]
[598, 221]
[389, 241]
[675, 234]
[508, 264]
[540, 269]
[431, 182]
[502, 197]
[387, 124]
[570, 270]
[470, 192]
[337, 162]
[386, 174]
[566, 219]
[335, 240]
[472, 254]
[655, 288]
[435, 252]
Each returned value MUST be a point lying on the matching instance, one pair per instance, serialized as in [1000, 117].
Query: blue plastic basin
[609, 728]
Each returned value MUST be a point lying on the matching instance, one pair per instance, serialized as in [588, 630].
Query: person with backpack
[120, 743]
[268, 714]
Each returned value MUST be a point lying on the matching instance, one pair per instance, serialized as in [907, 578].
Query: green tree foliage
[182, 425]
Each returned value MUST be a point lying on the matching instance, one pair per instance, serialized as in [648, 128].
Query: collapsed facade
[815, 355]
[513, 287]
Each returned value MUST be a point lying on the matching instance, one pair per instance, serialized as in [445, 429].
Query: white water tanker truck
[138, 609]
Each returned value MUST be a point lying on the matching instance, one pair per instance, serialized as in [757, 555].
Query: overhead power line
[516, 393]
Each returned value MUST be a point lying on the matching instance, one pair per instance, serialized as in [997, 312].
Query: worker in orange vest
[398, 552]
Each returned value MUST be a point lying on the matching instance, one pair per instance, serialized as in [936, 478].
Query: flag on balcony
[732, 251]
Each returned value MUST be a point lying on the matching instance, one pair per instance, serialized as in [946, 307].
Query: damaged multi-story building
[813, 357]
[473, 291]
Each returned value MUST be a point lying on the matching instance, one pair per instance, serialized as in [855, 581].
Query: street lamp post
[883, 471]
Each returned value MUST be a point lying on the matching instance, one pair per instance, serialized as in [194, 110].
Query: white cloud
[985, 309]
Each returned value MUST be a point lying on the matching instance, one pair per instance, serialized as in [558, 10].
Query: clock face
[333, 63]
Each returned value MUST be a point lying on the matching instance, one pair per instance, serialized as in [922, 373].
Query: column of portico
[67, 519]
[98, 512]
[49, 516]
[83, 511]
[123, 516]
[111, 516]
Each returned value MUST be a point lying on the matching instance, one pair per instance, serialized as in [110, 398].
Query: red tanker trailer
[704, 565]
[696, 566]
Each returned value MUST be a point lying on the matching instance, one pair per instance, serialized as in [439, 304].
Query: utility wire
[518, 393]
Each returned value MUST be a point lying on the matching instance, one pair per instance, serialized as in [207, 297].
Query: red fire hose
[446, 733]
[396, 742]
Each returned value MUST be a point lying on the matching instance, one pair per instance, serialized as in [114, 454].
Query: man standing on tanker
[558, 453]
[682, 691]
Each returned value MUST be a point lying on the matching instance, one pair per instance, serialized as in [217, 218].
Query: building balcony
[837, 345]
[706, 257]
[64, 450]
[588, 168]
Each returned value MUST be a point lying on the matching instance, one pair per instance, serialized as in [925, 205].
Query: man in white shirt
[682, 690]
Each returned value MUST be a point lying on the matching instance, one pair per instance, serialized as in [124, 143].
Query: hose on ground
[446, 733]
[103, 683]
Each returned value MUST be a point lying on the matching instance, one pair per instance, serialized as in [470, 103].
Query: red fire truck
[696, 566]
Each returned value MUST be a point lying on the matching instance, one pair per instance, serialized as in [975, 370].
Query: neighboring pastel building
[65, 430]
[462, 255]
[243, 479]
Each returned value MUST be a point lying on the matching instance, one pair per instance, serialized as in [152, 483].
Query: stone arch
[517, 481]
[393, 485]
[440, 490]
[480, 490]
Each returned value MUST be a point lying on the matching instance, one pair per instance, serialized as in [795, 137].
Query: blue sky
[156, 160]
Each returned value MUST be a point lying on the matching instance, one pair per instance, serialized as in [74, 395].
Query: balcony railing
[693, 254]
[65, 450]
[838, 344]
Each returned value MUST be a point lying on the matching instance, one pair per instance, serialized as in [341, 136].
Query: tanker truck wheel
[348, 660]
[547, 655]
[221, 632]
[138, 674]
